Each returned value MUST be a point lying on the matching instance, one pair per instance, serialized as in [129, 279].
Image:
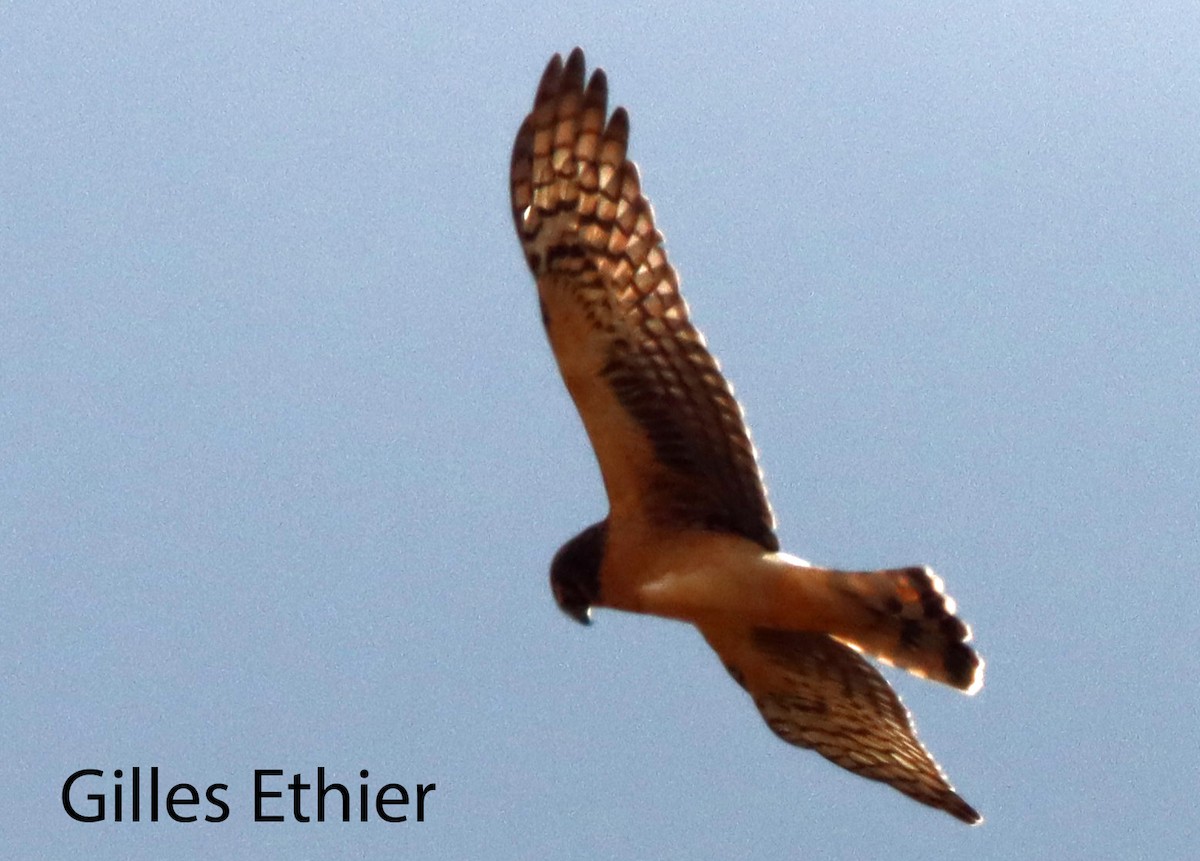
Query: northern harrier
[689, 534]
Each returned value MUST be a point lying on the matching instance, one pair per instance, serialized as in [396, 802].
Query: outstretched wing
[669, 435]
[816, 692]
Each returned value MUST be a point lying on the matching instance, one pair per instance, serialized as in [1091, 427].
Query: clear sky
[286, 455]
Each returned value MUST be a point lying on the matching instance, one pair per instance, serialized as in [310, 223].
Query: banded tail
[911, 623]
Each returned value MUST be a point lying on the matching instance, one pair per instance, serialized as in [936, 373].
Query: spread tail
[911, 624]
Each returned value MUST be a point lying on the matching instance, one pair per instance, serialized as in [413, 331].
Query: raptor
[689, 533]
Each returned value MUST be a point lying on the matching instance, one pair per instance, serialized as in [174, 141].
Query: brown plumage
[690, 534]
[590, 234]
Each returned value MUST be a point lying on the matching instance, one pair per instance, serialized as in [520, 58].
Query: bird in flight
[690, 534]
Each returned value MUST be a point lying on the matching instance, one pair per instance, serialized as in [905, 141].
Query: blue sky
[288, 456]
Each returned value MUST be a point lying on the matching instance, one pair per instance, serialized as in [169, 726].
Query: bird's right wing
[816, 692]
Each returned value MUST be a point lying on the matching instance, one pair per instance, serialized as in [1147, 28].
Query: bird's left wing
[669, 435]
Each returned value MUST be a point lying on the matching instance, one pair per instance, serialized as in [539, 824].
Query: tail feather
[913, 625]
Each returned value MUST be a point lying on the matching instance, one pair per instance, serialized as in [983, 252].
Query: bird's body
[690, 534]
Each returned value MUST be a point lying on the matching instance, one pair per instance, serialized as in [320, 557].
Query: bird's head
[575, 572]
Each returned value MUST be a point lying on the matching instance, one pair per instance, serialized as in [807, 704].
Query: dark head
[575, 572]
